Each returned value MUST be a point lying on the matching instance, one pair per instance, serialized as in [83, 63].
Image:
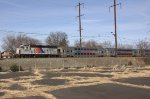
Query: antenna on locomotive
[80, 22]
[115, 25]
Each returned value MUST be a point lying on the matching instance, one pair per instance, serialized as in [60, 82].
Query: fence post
[63, 63]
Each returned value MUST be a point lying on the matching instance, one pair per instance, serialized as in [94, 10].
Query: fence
[50, 63]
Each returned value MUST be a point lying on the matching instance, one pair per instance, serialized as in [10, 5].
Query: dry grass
[117, 72]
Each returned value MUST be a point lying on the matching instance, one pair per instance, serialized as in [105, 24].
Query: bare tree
[106, 44]
[77, 43]
[11, 42]
[88, 44]
[125, 46]
[91, 44]
[57, 38]
[143, 45]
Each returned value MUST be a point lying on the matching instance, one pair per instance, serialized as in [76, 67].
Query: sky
[37, 18]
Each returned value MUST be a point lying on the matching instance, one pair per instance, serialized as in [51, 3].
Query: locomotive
[25, 51]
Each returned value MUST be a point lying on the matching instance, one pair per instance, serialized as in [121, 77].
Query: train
[35, 51]
[25, 51]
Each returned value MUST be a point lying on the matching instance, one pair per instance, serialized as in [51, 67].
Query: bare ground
[113, 82]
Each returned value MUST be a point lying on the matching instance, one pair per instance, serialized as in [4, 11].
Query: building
[6, 54]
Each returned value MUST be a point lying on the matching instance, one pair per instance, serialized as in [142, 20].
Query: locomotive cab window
[58, 50]
[22, 47]
[26, 47]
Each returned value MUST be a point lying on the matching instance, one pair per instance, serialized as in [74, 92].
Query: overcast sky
[45, 16]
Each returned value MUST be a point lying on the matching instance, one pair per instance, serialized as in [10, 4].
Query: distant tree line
[10, 43]
[57, 38]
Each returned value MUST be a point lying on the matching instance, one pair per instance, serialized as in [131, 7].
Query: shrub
[66, 67]
[15, 68]
[78, 67]
[130, 63]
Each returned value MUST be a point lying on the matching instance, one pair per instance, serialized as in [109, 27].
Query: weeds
[15, 68]
[130, 63]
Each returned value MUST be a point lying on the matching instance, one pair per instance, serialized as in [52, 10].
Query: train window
[26, 47]
[22, 47]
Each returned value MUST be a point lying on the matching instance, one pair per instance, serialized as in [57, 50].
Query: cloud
[11, 3]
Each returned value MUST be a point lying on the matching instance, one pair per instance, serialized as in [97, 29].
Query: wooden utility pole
[115, 25]
[80, 23]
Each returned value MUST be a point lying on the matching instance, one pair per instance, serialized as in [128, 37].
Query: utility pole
[115, 25]
[80, 23]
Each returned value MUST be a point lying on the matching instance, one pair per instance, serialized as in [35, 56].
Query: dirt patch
[30, 97]
[86, 75]
[144, 69]
[104, 91]
[110, 71]
[51, 74]
[17, 79]
[3, 81]
[55, 74]
[136, 81]
[16, 87]
[70, 70]
[15, 75]
[50, 82]
[2, 93]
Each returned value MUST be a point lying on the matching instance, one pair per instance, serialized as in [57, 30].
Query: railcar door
[59, 52]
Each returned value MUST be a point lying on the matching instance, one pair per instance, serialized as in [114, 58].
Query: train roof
[82, 47]
[43, 46]
[120, 49]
